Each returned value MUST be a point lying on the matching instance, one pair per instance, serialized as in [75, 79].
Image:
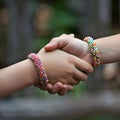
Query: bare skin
[24, 74]
[108, 47]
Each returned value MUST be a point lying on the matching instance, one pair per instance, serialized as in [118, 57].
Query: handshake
[61, 64]
[67, 61]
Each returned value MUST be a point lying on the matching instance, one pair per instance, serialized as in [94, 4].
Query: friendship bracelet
[94, 50]
[40, 69]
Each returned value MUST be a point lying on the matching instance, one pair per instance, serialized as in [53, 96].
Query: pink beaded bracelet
[40, 69]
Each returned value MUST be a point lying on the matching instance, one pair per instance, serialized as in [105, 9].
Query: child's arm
[60, 67]
[108, 47]
[16, 77]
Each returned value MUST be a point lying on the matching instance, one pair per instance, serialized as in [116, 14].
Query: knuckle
[70, 72]
[72, 34]
[54, 39]
[64, 34]
[71, 59]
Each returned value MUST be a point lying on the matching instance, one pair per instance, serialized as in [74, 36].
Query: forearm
[16, 77]
[109, 48]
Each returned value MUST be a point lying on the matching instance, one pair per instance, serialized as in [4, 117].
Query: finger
[56, 87]
[69, 87]
[63, 90]
[70, 35]
[55, 43]
[52, 45]
[83, 65]
[59, 42]
[49, 86]
[79, 75]
[72, 81]
[43, 87]
[51, 92]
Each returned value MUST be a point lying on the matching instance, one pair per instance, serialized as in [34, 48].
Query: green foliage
[78, 90]
[1, 3]
[40, 42]
[61, 21]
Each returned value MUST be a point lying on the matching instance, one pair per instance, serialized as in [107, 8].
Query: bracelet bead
[94, 50]
[40, 69]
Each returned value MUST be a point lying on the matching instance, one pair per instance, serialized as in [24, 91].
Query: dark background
[27, 25]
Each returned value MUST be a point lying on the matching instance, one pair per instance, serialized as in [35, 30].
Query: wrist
[32, 74]
[87, 55]
[39, 69]
[94, 51]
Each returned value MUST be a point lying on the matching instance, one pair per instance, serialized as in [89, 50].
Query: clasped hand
[65, 67]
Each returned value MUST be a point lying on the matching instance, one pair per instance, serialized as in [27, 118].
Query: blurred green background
[28, 25]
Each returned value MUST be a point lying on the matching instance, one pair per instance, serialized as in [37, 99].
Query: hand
[71, 45]
[58, 87]
[65, 71]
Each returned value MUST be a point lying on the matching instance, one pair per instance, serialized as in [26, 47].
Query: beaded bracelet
[40, 69]
[94, 50]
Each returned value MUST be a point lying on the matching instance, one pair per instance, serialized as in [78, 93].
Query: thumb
[66, 35]
[58, 42]
[52, 45]
[72, 35]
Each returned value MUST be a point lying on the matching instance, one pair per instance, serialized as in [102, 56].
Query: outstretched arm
[60, 67]
[16, 77]
[108, 47]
